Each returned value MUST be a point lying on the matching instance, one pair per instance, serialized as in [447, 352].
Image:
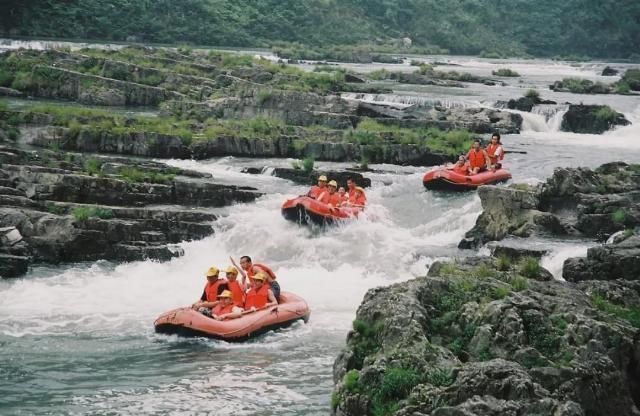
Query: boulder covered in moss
[592, 119]
[479, 337]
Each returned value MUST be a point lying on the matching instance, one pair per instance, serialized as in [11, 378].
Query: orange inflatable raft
[305, 210]
[447, 180]
[191, 323]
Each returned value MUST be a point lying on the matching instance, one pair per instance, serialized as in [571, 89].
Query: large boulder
[469, 339]
[576, 202]
[594, 119]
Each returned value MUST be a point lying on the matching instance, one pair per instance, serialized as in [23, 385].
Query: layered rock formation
[482, 337]
[62, 208]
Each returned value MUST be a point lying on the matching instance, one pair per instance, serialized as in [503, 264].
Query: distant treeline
[594, 28]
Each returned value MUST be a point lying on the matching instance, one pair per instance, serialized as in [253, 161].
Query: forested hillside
[596, 28]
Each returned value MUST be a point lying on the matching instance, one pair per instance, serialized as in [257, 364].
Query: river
[78, 339]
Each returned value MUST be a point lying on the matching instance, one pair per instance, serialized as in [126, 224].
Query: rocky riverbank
[200, 96]
[488, 337]
[63, 207]
[499, 335]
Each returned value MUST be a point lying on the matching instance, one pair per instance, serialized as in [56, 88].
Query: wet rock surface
[480, 337]
[573, 202]
[58, 207]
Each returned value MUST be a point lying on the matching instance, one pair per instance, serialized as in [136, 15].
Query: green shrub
[440, 377]
[483, 271]
[500, 292]
[307, 164]
[618, 216]
[448, 269]
[530, 267]
[6, 78]
[84, 213]
[503, 263]
[519, 283]
[606, 114]
[629, 314]
[379, 75]
[22, 81]
[425, 69]
[93, 167]
[351, 380]
[505, 72]
[622, 88]
[533, 95]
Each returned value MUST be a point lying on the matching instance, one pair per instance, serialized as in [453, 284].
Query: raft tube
[444, 179]
[190, 323]
[305, 210]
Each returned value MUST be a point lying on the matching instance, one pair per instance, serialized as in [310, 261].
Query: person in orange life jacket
[357, 198]
[460, 166]
[226, 309]
[351, 187]
[236, 288]
[495, 151]
[330, 196]
[260, 295]
[248, 269]
[212, 289]
[315, 191]
[478, 158]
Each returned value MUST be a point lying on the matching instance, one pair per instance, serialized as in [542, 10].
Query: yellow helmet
[333, 183]
[260, 276]
[213, 271]
[226, 294]
[231, 270]
[322, 178]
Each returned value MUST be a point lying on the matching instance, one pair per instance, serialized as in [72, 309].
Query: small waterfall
[407, 100]
[543, 118]
[268, 170]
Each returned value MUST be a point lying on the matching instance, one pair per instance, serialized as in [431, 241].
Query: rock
[354, 78]
[458, 344]
[578, 202]
[515, 251]
[304, 178]
[522, 104]
[609, 72]
[51, 214]
[13, 266]
[10, 92]
[593, 119]
[607, 262]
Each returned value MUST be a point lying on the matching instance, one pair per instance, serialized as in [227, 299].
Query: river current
[78, 339]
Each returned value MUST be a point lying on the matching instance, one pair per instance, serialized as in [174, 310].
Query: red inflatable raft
[188, 322]
[447, 180]
[305, 210]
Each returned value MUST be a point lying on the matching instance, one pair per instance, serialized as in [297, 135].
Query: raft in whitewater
[190, 323]
[305, 210]
[447, 180]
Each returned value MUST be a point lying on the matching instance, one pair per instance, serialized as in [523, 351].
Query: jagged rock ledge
[58, 207]
[572, 203]
[484, 337]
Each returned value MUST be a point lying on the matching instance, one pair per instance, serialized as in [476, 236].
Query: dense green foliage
[492, 27]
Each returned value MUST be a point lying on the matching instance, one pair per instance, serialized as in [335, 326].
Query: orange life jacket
[357, 200]
[221, 310]
[476, 159]
[324, 197]
[491, 151]
[257, 298]
[335, 199]
[315, 191]
[213, 290]
[263, 268]
[237, 291]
